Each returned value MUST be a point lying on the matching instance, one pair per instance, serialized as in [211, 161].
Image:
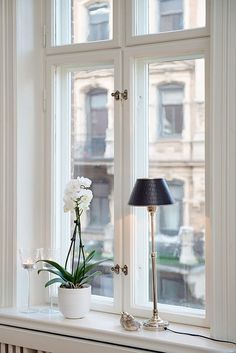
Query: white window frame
[65, 55]
[220, 220]
[51, 48]
[132, 39]
[186, 48]
[58, 222]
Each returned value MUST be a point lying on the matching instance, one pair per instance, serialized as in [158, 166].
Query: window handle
[120, 95]
[124, 269]
[116, 269]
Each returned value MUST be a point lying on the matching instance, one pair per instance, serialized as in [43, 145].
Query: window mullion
[118, 183]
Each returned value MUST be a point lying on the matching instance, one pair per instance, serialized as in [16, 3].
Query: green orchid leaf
[54, 280]
[93, 265]
[65, 274]
[90, 256]
[81, 270]
[78, 274]
[55, 272]
[89, 278]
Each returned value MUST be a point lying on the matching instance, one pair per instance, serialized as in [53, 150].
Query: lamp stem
[155, 323]
[152, 210]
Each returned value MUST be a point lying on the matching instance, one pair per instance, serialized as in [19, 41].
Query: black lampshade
[150, 192]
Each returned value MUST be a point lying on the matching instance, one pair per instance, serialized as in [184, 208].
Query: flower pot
[74, 303]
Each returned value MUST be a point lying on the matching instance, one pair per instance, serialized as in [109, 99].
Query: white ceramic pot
[74, 303]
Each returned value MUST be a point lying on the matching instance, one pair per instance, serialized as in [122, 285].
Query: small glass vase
[28, 258]
[52, 254]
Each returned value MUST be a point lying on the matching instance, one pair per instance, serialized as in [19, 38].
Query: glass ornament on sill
[28, 258]
[52, 254]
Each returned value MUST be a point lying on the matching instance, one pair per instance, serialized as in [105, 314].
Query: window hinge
[44, 36]
[44, 100]
[116, 269]
[120, 95]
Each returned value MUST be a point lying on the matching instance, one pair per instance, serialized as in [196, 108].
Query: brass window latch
[120, 95]
[116, 269]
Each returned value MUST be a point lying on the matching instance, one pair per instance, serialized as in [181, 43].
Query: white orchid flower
[85, 196]
[85, 182]
[77, 194]
[69, 205]
[73, 186]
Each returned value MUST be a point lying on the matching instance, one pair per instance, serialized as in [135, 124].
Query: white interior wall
[30, 135]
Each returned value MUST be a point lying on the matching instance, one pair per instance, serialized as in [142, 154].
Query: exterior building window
[171, 218]
[171, 15]
[171, 110]
[97, 118]
[99, 209]
[98, 15]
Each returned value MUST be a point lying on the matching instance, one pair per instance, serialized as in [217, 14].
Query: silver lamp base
[155, 324]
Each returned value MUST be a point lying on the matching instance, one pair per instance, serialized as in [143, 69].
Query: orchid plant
[77, 199]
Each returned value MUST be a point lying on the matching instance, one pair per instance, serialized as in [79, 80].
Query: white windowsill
[106, 328]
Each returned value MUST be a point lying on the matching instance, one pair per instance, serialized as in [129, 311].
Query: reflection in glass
[171, 218]
[82, 21]
[156, 16]
[97, 115]
[98, 14]
[171, 109]
[171, 15]
[92, 156]
[177, 153]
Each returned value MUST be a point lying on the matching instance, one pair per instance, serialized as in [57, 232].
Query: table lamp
[152, 193]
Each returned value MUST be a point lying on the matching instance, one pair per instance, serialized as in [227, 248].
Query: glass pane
[176, 152]
[92, 156]
[156, 16]
[82, 21]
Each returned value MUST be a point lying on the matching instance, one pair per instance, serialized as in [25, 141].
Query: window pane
[176, 152]
[92, 156]
[156, 16]
[171, 145]
[81, 21]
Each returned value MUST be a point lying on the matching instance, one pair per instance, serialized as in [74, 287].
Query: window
[171, 15]
[98, 21]
[171, 110]
[159, 131]
[171, 218]
[81, 21]
[97, 120]
[100, 213]
[180, 160]
[37, 224]
[90, 130]
[161, 16]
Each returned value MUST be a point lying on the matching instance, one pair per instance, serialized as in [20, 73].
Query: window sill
[106, 329]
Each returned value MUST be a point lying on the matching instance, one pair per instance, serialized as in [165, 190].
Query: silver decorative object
[128, 322]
